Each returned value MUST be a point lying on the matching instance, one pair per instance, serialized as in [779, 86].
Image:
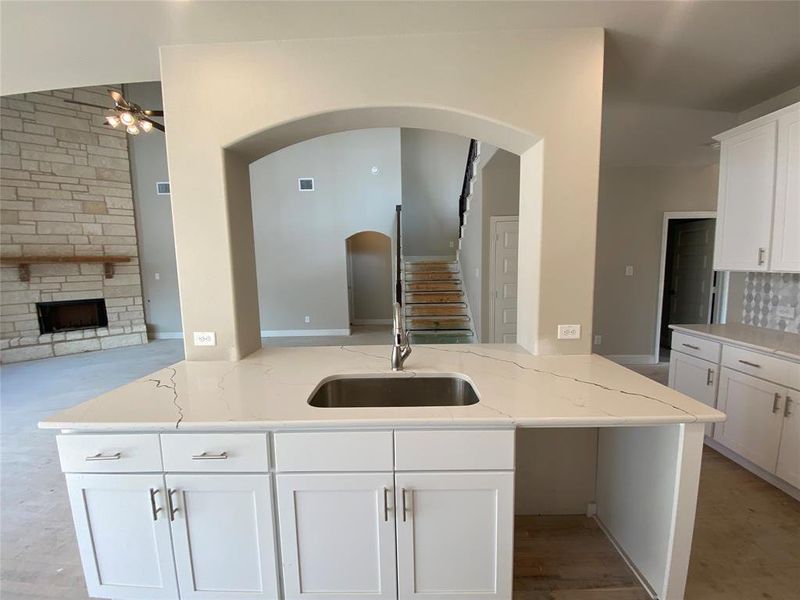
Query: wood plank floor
[569, 558]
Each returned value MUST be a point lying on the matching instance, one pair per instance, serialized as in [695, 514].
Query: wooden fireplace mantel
[24, 262]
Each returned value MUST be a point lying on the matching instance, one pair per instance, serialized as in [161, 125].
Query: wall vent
[162, 188]
[305, 184]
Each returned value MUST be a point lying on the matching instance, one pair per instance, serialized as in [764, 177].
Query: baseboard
[165, 335]
[631, 359]
[372, 321]
[270, 333]
[779, 483]
[645, 584]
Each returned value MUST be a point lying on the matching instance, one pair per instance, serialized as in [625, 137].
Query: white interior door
[789, 453]
[337, 536]
[695, 377]
[755, 417]
[504, 279]
[224, 536]
[123, 535]
[455, 535]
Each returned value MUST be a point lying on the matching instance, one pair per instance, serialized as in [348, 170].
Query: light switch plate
[569, 332]
[629, 271]
[787, 312]
[205, 338]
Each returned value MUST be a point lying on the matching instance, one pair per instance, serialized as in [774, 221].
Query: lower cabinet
[455, 535]
[789, 452]
[695, 377]
[123, 532]
[755, 417]
[337, 535]
[223, 536]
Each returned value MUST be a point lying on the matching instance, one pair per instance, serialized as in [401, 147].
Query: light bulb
[127, 118]
[112, 120]
[146, 126]
[133, 129]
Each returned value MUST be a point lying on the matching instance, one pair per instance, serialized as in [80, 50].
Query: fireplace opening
[68, 315]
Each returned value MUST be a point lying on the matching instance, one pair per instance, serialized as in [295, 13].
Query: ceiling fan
[133, 117]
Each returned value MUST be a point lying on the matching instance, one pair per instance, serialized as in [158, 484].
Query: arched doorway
[369, 278]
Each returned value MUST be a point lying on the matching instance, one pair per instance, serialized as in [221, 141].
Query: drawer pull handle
[171, 506]
[101, 456]
[761, 253]
[406, 510]
[210, 456]
[710, 377]
[787, 408]
[155, 509]
[692, 346]
[750, 364]
[386, 504]
[776, 406]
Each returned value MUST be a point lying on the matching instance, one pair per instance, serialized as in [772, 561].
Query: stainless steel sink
[393, 391]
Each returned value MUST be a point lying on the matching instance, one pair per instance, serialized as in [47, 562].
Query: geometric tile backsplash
[764, 293]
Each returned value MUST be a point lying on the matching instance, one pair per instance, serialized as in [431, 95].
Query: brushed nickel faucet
[400, 346]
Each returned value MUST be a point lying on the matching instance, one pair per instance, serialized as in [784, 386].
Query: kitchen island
[219, 480]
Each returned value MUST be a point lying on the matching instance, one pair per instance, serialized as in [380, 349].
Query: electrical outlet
[787, 312]
[307, 319]
[158, 276]
[598, 339]
[629, 271]
[205, 338]
[569, 332]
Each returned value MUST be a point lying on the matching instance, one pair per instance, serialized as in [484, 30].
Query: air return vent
[305, 184]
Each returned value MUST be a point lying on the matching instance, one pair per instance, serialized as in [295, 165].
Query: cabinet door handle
[386, 504]
[405, 506]
[155, 509]
[691, 346]
[776, 406]
[761, 253]
[787, 408]
[750, 364]
[171, 505]
[710, 377]
[101, 456]
[210, 456]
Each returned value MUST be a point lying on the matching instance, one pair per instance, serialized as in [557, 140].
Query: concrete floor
[746, 543]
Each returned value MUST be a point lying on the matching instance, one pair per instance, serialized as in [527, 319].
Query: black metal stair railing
[469, 173]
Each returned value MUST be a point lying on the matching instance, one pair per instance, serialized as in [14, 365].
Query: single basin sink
[393, 391]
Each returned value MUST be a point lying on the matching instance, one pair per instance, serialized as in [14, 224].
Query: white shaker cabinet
[695, 377]
[789, 453]
[223, 535]
[455, 535]
[337, 535]
[786, 227]
[755, 417]
[122, 525]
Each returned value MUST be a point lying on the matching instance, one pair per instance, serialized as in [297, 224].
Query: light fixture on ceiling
[132, 117]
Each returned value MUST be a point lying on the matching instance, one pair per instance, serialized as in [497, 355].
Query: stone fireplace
[70, 276]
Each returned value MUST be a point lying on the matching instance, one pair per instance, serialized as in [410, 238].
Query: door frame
[493, 221]
[668, 216]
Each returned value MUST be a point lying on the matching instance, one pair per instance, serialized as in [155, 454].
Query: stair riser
[430, 267]
[432, 276]
[434, 298]
[433, 286]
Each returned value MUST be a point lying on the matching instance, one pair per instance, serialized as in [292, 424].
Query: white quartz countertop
[270, 388]
[779, 343]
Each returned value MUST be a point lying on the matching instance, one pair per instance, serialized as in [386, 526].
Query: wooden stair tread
[433, 286]
[432, 276]
[433, 297]
[435, 267]
[436, 310]
[438, 324]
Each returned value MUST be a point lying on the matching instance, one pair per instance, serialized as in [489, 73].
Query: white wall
[370, 256]
[300, 236]
[148, 154]
[433, 172]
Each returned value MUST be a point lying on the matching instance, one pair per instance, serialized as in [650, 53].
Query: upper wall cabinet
[758, 211]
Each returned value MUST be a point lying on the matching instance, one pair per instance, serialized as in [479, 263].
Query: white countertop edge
[732, 341]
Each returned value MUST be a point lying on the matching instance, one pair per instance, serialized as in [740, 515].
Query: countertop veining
[779, 343]
[270, 388]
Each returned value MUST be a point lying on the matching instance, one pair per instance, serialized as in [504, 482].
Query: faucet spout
[400, 345]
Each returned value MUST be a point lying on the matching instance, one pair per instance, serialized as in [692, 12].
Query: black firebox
[68, 315]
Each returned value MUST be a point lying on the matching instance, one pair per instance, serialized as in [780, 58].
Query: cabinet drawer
[99, 453]
[448, 450]
[333, 451]
[780, 371]
[695, 346]
[215, 452]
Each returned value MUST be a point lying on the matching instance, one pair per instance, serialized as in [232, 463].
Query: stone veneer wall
[66, 191]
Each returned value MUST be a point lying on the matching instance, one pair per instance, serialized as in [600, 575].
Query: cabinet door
[695, 377]
[789, 453]
[754, 409]
[223, 536]
[337, 535]
[786, 225]
[746, 196]
[455, 535]
[123, 535]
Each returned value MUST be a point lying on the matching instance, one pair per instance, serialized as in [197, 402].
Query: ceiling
[723, 56]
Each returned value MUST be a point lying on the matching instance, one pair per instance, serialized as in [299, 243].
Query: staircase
[435, 303]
